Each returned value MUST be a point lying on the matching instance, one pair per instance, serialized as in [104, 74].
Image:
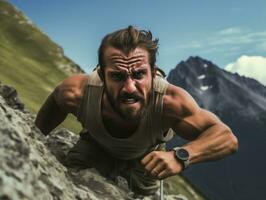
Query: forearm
[49, 116]
[214, 143]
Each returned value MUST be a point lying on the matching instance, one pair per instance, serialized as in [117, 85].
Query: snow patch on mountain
[202, 76]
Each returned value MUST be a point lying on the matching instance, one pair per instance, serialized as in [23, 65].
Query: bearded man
[127, 110]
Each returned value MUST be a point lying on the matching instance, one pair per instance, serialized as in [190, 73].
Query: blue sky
[220, 31]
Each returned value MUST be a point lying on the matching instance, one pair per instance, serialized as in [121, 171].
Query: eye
[118, 76]
[138, 74]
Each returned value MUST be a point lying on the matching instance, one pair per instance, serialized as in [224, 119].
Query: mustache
[134, 95]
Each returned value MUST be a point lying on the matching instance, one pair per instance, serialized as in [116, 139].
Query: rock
[29, 170]
[10, 95]
[32, 165]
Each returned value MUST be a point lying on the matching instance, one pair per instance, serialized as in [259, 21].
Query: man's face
[128, 81]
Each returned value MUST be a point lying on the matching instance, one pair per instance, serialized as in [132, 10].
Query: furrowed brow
[125, 59]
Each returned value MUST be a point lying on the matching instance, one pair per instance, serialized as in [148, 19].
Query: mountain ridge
[239, 102]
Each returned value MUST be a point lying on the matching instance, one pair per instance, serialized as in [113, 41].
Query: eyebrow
[118, 69]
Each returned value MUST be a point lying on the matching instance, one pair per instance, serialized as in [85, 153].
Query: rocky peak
[240, 102]
[216, 89]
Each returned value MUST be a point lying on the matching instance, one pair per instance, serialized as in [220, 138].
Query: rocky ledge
[32, 165]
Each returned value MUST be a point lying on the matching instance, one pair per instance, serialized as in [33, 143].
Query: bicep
[185, 116]
[191, 126]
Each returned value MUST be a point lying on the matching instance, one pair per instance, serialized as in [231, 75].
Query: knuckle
[146, 168]
[161, 159]
[164, 162]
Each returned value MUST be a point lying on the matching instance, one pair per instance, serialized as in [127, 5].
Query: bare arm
[50, 115]
[62, 101]
[214, 141]
[210, 138]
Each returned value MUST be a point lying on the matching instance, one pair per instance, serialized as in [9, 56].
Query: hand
[161, 164]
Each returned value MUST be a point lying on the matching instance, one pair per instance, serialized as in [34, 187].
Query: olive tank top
[149, 133]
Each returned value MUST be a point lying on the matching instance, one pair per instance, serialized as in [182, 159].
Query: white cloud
[230, 31]
[250, 66]
[227, 40]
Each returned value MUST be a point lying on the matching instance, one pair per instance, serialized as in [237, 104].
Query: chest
[118, 127]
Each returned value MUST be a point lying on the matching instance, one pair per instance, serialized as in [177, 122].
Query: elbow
[38, 124]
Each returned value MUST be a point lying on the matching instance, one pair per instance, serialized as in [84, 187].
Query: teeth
[129, 100]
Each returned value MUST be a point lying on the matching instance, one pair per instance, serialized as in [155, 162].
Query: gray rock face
[31, 165]
[29, 170]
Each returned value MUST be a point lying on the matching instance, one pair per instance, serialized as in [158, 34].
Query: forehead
[115, 57]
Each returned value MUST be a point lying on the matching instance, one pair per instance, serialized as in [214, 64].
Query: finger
[163, 174]
[151, 165]
[158, 169]
[146, 159]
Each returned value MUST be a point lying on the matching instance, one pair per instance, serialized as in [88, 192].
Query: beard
[128, 112]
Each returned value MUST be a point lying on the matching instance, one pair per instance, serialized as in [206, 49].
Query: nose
[129, 85]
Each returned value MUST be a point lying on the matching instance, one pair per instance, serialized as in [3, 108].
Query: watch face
[182, 154]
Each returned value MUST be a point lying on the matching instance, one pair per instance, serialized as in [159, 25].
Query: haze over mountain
[240, 102]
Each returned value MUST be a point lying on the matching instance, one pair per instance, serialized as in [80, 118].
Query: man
[127, 110]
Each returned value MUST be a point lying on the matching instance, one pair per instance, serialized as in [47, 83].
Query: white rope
[161, 190]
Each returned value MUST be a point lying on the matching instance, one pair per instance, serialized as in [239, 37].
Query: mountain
[240, 102]
[30, 61]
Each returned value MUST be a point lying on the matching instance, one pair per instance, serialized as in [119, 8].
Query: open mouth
[129, 100]
[126, 98]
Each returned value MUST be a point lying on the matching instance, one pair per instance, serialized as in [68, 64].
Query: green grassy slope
[30, 61]
[34, 65]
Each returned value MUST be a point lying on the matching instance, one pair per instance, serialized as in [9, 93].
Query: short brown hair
[127, 40]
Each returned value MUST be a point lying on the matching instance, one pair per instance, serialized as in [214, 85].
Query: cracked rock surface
[31, 165]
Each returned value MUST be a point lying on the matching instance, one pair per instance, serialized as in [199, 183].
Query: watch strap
[185, 163]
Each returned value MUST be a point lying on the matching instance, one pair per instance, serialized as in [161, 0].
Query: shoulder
[183, 114]
[160, 84]
[179, 101]
[70, 91]
[73, 84]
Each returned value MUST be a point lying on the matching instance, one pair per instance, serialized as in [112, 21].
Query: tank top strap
[94, 79]
[160, 87]
[91, 99]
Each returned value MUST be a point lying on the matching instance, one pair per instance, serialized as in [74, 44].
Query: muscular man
[127, 110]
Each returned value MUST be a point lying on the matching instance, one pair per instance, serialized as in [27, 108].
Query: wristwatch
[182, 156]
